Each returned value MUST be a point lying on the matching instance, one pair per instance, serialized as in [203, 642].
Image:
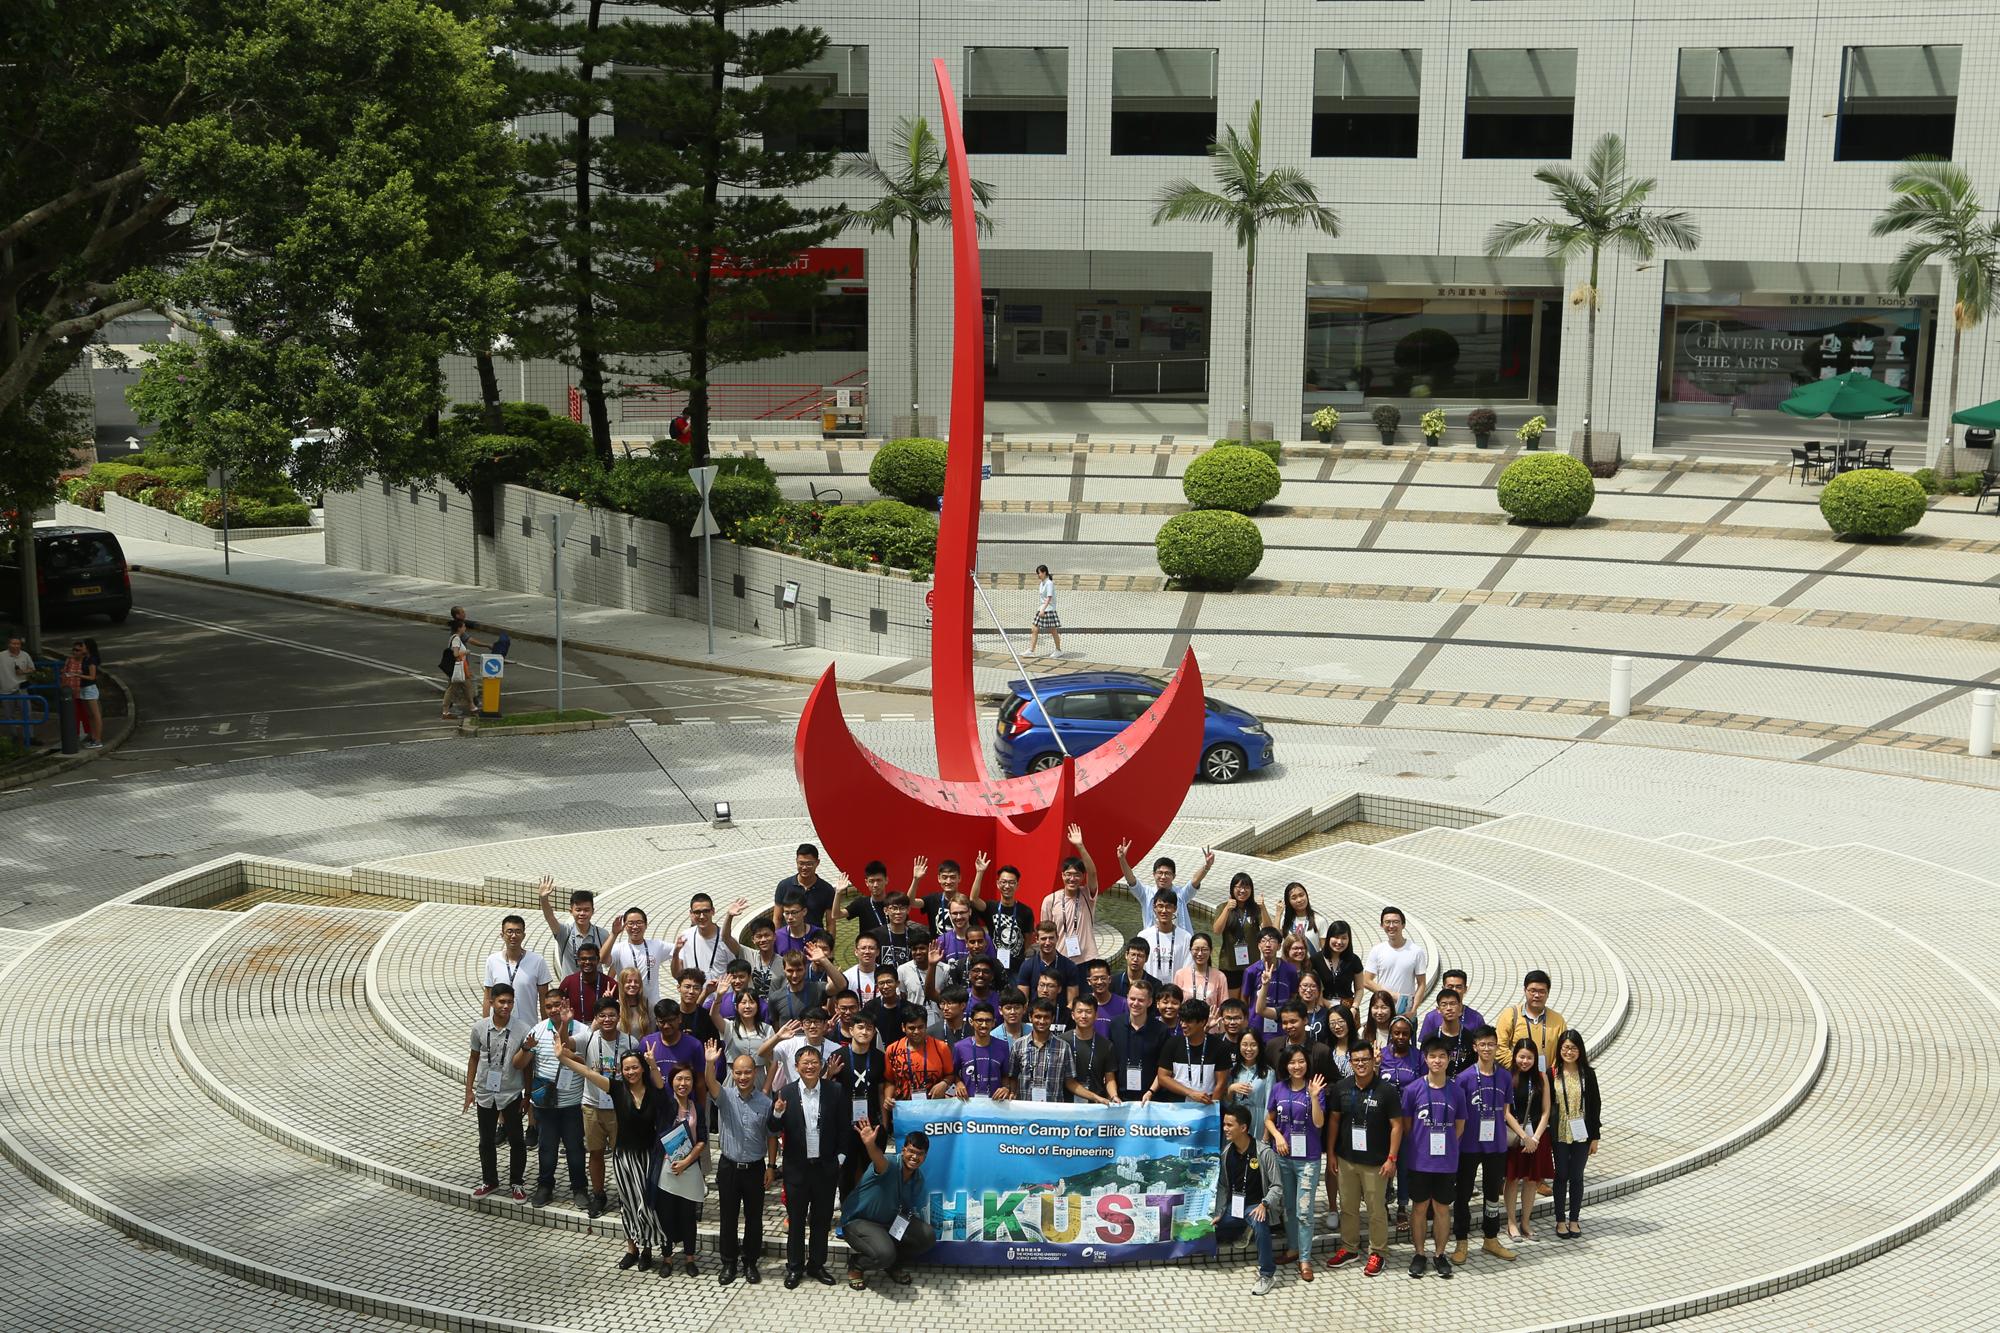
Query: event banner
[1019, 1182]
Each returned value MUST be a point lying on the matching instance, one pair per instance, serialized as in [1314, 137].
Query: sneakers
[93, 745]
[1329, 1220]
[517, 1194]
[1265, 1281]
[1443, 1266]
[1373, 1266]
[1417, 1266]
[1343, 1255]
[597, 1204]
[481, 1191]
[1498, 1251]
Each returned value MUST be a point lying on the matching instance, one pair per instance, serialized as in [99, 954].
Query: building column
[889, 328]
[1629, 312]
[1278, 377]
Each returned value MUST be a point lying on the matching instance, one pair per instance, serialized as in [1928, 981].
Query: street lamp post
[557, 526]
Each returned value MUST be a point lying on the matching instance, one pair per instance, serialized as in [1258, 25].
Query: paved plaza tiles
[1767, 897]
[298, 1140]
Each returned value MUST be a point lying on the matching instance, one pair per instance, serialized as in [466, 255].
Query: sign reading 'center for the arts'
[1039, 1183]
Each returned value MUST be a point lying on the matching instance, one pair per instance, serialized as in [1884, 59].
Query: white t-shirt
[785, 1059]
[14, 668]
[647, 956]
[527, 977]
[1396, 969]
[711, 958]
[458, 654]
[1172, 950]
[602, 1054]
[569, 1083]
[862, 985]
[1047, 590]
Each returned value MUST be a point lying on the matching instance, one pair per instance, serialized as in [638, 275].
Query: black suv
[78, 571]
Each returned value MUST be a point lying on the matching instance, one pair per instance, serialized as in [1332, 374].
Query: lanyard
[1298, 1107]
[1430, 1105]
[499, 1066]
[1483, 1085]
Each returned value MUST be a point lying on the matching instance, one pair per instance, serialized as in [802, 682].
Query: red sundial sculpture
[865, 808]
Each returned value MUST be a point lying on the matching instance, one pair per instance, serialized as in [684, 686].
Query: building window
[827, 323]
[840, 125]
[1519, 102]
[1162, 102]
[1365, 103]
[1897, 102]
[1731, 103]
[1398, 341]
[1016, 99]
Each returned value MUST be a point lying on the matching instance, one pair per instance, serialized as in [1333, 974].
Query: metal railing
[1135, 375]
[736, 402]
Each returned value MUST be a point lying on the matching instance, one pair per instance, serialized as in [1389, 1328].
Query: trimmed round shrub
[1231, 476]
[1548, 488]
[1271, 449]
[1872, 503]
[1209, 548]
[910, 470]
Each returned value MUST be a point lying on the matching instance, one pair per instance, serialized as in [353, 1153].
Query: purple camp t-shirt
[1486, 1099]
[1426, 1107]
[683, 1053]
[790, 943]
[1293, 1110]
[1284, 984]
[980, 1068]
[1405, 1069]
[1434, 1023]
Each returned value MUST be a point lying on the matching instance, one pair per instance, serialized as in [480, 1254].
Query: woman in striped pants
[644, 1109]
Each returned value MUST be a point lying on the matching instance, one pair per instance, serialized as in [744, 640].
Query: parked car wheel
[1041, 763]
[1222, 763]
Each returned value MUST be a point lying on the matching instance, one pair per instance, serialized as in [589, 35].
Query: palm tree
[1936, 201]
[915, 194]
[1247, 199]
[1604, 208]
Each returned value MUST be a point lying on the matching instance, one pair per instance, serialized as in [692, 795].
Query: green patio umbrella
[1848, 397]
[1986, 415]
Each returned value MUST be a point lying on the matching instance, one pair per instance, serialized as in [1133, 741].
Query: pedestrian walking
[1045, 612]
[460, 687]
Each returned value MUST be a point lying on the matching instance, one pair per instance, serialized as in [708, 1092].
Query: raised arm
[547, 894]
[1207, 864]
[981, 863]
[1131, 877]
[1090, 885]
[597, 1080]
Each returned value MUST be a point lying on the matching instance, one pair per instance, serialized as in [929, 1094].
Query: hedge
[1209, 548]
[1874, 502]
[1547, 488]
[1271, 449]
[1230, 476]
[911, 470]
[884, 533]
[660, 488]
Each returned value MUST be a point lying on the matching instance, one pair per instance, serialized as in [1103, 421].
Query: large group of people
[740, 1057]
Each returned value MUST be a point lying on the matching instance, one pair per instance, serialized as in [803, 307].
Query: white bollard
[1621, 687]
[1981, 741]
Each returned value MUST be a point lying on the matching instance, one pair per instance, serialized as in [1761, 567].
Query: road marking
[320, 649]
[282, 740]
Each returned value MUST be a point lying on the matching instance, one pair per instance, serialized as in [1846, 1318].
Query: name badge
[493, 1079]
[1005, 955]
[1131, 1078]
[1486, 1131]
[1038, 1093]
[1242, 955]
[1072, 945]
[1542, 1062]
[1298, 1144]
[860, 1108]
[1437, 1148]
[1236, 1205]
[1578, 1131]
[1357, 1138]
[899, 1226]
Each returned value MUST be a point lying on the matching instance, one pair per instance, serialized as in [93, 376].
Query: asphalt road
[220, 674]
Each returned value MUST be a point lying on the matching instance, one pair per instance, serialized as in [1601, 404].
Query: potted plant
[1530, 433]
[1481, 421]
[1386, 418]
[1324, 421]
[1432, 424]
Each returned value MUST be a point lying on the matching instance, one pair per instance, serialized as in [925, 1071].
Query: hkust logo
[1100, 1219]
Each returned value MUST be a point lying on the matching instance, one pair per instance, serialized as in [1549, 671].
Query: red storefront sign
[832, 262]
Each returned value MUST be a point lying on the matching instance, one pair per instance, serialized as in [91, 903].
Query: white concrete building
[1775, 123]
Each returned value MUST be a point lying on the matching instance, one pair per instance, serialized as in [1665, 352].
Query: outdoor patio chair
[1881, 460]
[1804, 465]
[1991, 486]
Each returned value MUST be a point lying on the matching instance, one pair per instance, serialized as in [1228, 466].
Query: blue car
[1091, 707]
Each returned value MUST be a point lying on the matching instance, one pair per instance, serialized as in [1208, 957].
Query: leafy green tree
[313, 178]
[707, 236]
[1247, 199]
[1603, 208]
[1937, 207]
[915, 193]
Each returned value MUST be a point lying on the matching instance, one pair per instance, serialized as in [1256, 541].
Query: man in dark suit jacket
[812, 1118]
